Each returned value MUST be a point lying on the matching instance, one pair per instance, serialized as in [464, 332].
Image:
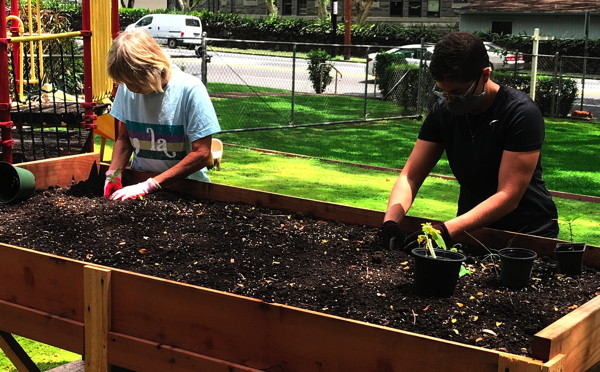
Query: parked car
[413, 53]
[500, 58]
[172, 29]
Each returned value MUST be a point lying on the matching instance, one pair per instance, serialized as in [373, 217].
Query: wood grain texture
[97, 317]
[576, 335]
[63, 171]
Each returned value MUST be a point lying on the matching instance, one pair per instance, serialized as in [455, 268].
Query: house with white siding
[558, 18]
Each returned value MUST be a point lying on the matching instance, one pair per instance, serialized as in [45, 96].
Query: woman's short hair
[136, 58]
[458, 56]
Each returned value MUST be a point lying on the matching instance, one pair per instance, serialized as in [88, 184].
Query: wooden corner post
[96, 317]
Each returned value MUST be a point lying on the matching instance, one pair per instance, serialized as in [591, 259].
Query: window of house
[414, 8]
[502, 27]
[301, 9]
[433, 8]
[286, 7]
[396, 8]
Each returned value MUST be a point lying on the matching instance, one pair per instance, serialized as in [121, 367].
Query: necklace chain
[471, 132]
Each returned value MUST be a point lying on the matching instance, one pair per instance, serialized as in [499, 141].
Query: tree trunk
[271, 7]
[322, 13]
[362, 10]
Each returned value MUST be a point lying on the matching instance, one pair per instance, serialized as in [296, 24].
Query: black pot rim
[520, 253]
[442, 254]
[577, 247]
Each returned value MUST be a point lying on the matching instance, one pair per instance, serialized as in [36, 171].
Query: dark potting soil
[288, 258]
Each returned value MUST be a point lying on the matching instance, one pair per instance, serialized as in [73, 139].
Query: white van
[172, 29]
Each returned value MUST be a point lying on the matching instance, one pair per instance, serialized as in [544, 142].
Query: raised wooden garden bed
[115, 317]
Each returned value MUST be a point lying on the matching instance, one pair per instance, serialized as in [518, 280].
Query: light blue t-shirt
[162, 126]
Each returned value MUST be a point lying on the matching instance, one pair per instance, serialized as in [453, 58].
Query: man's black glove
[392, 235]
[411, 242]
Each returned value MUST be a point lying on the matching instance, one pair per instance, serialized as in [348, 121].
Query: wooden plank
[62, 171]
[16, 354]
[41, 326]
[517, 363]
[576, 335]
[97, 317]
[268, 336]
[45, 282]
[232, 194]
[142, 355]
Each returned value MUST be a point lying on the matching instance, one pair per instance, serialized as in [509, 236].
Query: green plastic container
[16, 183]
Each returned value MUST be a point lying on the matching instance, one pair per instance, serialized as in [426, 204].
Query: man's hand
[138, 190]
[392, 235]
[411, 242]
[113, 182]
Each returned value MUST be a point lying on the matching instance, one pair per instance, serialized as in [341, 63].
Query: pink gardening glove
[112, 183]
[138, 190]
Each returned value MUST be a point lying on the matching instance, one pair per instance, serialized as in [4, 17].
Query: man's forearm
[487, 212]
[400, 200]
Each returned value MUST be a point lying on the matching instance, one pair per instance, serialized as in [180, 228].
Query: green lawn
[44, 356]
[569, 159]
[252, 107]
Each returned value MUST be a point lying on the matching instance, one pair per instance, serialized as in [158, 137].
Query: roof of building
[532, 6]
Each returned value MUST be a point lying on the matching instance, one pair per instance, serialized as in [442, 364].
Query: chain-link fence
[258, 85]
[263, 84]
[565, 86]
[266, 84]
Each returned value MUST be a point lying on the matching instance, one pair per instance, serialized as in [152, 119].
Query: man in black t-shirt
[492, 136]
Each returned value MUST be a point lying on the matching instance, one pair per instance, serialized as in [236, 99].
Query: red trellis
[88, 115]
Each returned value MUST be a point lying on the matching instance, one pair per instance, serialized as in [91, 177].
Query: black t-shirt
[474, 146]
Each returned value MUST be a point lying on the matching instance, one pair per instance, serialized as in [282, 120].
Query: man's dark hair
[458, 56]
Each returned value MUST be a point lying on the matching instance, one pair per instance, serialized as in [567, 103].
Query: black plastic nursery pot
[515, 266]
[437, 277]
[570, 257]
[15, 183]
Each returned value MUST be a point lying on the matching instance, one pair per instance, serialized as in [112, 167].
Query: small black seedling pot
[515, 266]
[570, 257]
[437, 277]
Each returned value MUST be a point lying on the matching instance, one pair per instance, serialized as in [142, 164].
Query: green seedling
[113, 177]
[431, 235]
[569, 222]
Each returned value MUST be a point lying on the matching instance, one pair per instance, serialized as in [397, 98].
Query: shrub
[319, 70]
[564, 90]
[384, 60]
[408, 86]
